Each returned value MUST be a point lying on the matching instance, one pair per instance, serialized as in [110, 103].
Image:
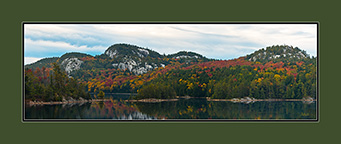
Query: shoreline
[151, 100]
[125, 94]
[241, 100]
[255, 100]
[63, 102]
[187, 97]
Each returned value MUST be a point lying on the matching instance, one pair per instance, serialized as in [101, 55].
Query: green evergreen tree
[101, 94]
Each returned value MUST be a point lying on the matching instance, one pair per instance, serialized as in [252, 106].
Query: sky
[218, 41]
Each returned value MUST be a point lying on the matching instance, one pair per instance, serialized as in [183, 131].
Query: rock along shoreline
[248, 99]
[151, 100]
[64, 102]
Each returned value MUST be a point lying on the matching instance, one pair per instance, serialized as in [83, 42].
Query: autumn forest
[274, 72]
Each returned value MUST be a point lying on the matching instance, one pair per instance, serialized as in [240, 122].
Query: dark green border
[170, 120]
[13, 13]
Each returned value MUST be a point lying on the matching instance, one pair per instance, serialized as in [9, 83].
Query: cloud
[205, 33]
[73, 34]
[223, 41]
[28, 60]
[39, 48]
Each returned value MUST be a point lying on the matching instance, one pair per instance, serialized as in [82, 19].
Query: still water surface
[183, 109]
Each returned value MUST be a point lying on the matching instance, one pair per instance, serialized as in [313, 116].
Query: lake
[183, 109]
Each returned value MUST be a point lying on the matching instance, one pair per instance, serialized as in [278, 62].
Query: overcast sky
[219, 41]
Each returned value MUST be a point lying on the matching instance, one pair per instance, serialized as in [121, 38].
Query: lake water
[183, 109]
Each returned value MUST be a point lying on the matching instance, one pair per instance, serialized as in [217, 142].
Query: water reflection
[201, 109]
[182, 109]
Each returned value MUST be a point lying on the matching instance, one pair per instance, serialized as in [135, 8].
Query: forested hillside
[240, 78]
[52, 84]
[274, 72]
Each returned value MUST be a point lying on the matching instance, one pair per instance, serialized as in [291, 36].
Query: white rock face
[288, 52]
[139, 70]
[298, 55]
[72, 64]
[302, 55]
[254, 58]
[127, 64]
[140, 55]
[149, 67]
[135, 67]
[111, 53]
[275, 56]
[143, 51]
[185, 56]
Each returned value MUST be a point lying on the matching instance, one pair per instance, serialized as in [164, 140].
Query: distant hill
[134, 59]
[73, 55]
[118, 50]
[185, 55]
[45, 62]
[278, 53]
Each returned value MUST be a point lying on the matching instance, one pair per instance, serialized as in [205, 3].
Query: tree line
[52, 85]
[261, 81]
